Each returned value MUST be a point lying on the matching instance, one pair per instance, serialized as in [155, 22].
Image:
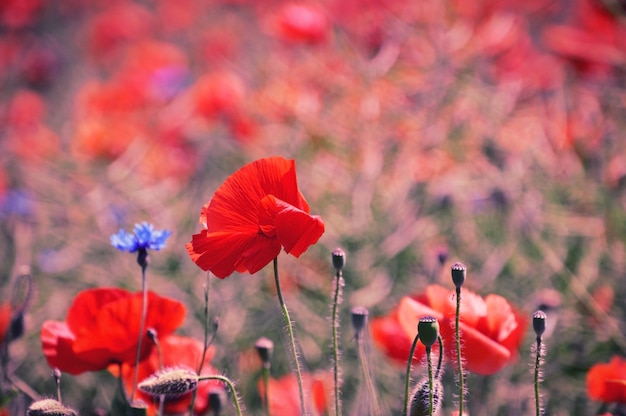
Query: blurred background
[424, 133]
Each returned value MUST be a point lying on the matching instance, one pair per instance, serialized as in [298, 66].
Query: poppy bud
[428, 330]
[171, 382]
[539, 322]
[359, 318]
[442, 256]
[459, 271]
[265, 348]
[49, 407]
[420, 399]
[152, 335]
[339, 259]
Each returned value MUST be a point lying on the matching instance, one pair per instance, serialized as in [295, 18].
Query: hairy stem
[407, 382]
[336, 301]
[231, 387]
[537, 363]
[292, 338]
[459, 358]
[368, 377]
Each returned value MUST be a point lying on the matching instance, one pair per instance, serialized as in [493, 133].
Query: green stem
[231, 387]
[537, 362]
[459, 358]
[407, 382]
[368, 377]
[266, 385]
[336, 300]
[292, 338]
[440, 360]
[144, 312]
[430, 381]
[206, 339]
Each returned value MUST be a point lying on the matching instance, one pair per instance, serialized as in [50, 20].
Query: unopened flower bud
[539, 322]
[359, 318]
[428, 330]
[171, 382]
[420, 399]
[49, 407]
[265, 348]
[339, 259]
[459, 272]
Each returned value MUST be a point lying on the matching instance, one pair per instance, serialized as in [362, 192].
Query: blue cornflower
[145, 237]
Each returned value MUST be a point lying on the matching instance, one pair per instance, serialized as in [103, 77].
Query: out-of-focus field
[484, 132]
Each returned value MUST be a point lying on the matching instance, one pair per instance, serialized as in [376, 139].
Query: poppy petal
[57, 341]
[296, 230]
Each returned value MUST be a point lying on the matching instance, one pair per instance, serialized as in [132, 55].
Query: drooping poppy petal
[57, 341]
[255, 212]
[606, 382]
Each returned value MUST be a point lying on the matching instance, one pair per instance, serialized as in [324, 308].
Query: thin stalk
[407, 382]
[459, 358]
[231, 387]
[144, 312]
[292, 338]
[430, 381]
[336, 301]
[368, 377]
[537, 363]
[440, 360]
[266, 387]
[206, 338]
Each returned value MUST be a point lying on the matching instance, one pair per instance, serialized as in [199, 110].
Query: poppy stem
[144, 311]
[537, 364]
[430, 381]
[407, 382]
[231, 387]
[337, 299]
[368, 377]
[291, 338]
[440, 360]
[206, 338]
[459, 357]
[266, 386]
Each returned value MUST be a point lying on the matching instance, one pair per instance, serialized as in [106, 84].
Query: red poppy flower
[300, 23]
[284, 396]
[176, 351]
[5, 320]
[102, 328]
[258, 210]
[491, 330]
[607, 382]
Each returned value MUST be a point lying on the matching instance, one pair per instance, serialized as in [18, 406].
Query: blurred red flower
[102, 327]
[5, 320]
[606, 382]
[594, 41]
[218, 94]
[491, 330]
[300, 23]
[284, 396]
[176, 351]
[255, 212]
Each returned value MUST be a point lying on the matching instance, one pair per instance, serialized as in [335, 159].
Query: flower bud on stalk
[49, 407]
[170, 382]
